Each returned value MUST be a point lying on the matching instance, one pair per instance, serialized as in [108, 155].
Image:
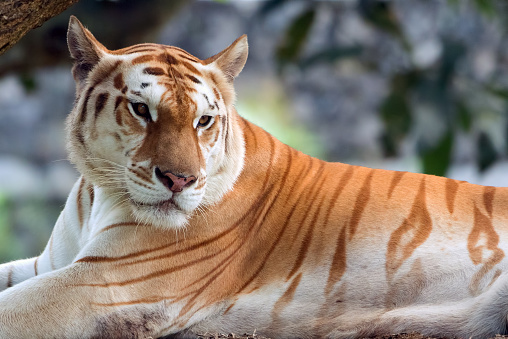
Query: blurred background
[416, 85]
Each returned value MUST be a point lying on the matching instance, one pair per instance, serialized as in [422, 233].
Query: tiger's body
[189, 219]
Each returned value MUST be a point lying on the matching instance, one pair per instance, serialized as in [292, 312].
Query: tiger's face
[153, 125]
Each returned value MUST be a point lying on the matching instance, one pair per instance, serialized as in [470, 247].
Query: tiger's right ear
[84, 48]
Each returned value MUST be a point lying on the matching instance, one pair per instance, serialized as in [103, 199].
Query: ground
[254, 336]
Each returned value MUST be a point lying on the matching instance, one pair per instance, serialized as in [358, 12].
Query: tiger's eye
[142, 110]
[204, 120]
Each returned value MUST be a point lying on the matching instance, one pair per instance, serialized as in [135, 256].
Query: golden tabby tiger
[188, 218]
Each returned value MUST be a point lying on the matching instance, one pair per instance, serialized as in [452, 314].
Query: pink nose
[175, 183]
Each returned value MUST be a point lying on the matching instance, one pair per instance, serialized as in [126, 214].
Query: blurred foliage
[269, 109]
[25, 226]
[8, 249]
[432, 86]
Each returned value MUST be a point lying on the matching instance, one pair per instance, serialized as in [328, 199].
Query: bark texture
[17, 17]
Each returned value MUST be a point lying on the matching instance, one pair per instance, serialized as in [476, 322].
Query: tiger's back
[190, 219]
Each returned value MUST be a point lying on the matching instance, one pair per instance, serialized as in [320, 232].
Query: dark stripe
[182, 51]
[155, 71]
[150, 300]
[118, 81]
[344, 179]
[488, 197]
[137, 93]
[141, 176]
[189, 58]
[143, 59]
[149, 276]
[482, 237]
[339, 258]
[147, 47]
[100, 103]
[311, 192]
[81, 138]
[288, 295]
[190, 67]
[79, 202]
[118, 101]
[254, 138]
[84, 108]
[175, 73]
[225, 131]
[118, 113]
[482, 244]
[411, 234]
[141, 50]
[229, 308]
[51, 253]
[210, 106]
[193, 78]
[397, 176]
[287, 219]
[35, 266]
[91, 193]
[338, 266]
[9, 277]
[360, 204]
[216, 92]
[451, 188]
[167, 58]
[304, 248]
[214, 80]
[106, 73]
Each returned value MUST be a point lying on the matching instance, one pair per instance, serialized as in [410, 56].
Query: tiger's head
[154, 125]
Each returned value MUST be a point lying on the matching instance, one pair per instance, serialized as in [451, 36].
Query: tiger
[189, 219]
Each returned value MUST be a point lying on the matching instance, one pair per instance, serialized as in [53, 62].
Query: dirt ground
[255, 336]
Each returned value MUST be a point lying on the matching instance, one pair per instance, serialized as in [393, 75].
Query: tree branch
[17, 17]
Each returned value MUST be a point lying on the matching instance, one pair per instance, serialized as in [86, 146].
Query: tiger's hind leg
[481, 316]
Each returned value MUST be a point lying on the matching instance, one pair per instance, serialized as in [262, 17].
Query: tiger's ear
[84, 48]
[232, 59]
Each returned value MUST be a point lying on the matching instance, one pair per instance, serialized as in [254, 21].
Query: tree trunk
[17, 17]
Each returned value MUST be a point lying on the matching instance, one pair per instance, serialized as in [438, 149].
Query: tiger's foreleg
[17, 271]
[57, 305]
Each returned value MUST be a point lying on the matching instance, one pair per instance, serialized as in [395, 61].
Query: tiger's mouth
[164, 214]
[165, 206]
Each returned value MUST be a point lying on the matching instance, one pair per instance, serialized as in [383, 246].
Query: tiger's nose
[175, 183]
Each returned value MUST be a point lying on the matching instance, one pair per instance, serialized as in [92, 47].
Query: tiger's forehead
[165, 57]
[159, 73]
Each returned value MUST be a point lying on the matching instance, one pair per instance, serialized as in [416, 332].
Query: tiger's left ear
[232, 59]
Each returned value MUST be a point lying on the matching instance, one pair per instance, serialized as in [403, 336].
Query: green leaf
[382, 15]
[436, 160]
[330, 55]
[269, 6]
[295, 37]
[28, 82]
[486, 7]
[500, 92]
[486, 152]
[396, 116]
[464, 117]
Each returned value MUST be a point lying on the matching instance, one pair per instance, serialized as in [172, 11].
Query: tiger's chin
[164, 214]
